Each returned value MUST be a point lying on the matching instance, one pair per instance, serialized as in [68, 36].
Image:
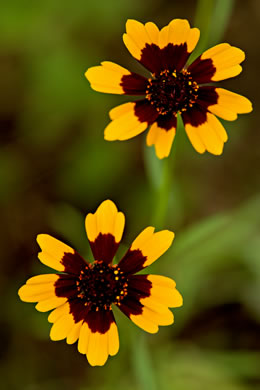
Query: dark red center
[172, 92]
[100, 285]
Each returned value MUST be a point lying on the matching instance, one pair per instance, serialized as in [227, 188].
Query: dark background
[55, 167]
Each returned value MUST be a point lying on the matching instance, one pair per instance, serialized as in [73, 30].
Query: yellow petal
[125, 126]
[61, 328]
[164, 37]
[226, 60]
[73, 334]
[132, 47]
[162, 140]
[97, 352]
[152, 31]
[227, 73]
[45, 278]
[230, 104]
[36, 292]
[194, 138]
[179, 31]
[162, 281]
[154, 304]
[49, 304]
[118, 111]
[38, 288]
[159, 318]
[136, 37]
[59, 312]
[209, 136]
[210, 139]
[144, 323]
[83, 338]
[113, 339]
[107, 77]
[53, 251]
[106, 220]
[192, 39]
[217, 126]
[165, 294]
[152, 245]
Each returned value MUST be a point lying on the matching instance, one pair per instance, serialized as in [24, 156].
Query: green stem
[141, 359]
[160, 174]
[161, 200]
[203, 21]
[221, 17]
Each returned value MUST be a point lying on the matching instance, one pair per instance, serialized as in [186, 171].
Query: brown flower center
[172, 92]
[100, 285]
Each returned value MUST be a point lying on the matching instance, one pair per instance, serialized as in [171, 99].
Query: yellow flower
[173, 88]
[82, 293]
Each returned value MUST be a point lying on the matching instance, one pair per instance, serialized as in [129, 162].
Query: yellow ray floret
[113, 339]
[152, 245]
[178, 32]
[49, 304]
[74, 332]
[38, 288]
[98, 346]
[163, 291]
[120, 110]
[230, 104]
[150, 319]
[97, 352]
[52, 251]
[209, 136]
[162, 140]
[226, 60]
[125, 125]
[62, 327]
[144, 322]
[152, 31]
[137, 36]
[107, 77]
[155, 311]
[41, 289]
[59, 312]
[83, 338]
[106, 219]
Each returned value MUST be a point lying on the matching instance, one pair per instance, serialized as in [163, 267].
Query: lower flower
[82, 294]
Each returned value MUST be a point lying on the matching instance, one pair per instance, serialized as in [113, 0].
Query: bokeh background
[55, 167]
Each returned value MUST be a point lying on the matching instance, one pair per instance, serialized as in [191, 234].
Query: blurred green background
[55, 167]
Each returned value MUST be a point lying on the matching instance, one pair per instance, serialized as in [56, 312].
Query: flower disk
[99, 285]
[172, 92]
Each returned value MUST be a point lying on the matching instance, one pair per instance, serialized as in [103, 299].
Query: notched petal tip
[40, 237]
[161, 139]
[20, 293]
[132, 23]
[107, 77]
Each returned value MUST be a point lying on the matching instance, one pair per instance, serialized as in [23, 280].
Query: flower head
[82, 294]
[173, 88]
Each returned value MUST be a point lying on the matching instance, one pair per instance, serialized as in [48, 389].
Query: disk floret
[172, 92]
[101, 284]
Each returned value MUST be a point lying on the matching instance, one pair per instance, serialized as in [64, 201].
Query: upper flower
[83, 293]
[173, 88]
